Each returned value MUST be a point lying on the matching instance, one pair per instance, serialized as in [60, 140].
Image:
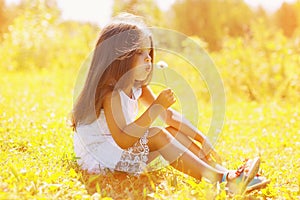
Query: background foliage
[257, 54]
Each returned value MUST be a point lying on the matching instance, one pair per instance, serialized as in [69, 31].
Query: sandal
[239, 183]
[257, 183]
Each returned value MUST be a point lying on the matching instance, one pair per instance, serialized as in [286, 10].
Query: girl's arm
[173, 118]
[176, 120]
[124, 134]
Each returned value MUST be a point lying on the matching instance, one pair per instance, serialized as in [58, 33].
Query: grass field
[37, 160]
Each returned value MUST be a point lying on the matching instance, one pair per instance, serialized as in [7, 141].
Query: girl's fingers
[172, 99]
[166, 98]
[169, 91]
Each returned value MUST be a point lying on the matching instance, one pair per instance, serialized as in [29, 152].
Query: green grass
[37, 160]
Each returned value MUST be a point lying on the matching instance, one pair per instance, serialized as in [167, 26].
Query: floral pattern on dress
[134, 159]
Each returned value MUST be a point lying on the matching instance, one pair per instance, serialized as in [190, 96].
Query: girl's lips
[148, 69]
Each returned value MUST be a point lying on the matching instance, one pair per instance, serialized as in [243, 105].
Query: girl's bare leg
[194, 148]
[187, 142]
[181, 157]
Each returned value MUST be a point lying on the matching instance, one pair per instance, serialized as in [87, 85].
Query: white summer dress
[96, 150]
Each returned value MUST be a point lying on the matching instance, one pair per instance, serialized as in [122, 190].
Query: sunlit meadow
[39, 67]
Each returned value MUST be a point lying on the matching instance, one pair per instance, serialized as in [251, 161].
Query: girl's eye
[139, 51]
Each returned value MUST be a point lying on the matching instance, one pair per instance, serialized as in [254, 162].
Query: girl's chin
[140, 80]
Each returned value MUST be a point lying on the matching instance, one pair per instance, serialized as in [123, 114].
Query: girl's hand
[166, 98]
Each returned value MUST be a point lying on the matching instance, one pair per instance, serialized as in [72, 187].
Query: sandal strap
[224, 177]
[240, 170]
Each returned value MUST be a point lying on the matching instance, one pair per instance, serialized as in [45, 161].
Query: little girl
[108, 134]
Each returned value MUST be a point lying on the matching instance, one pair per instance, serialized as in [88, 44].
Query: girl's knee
[159, 136]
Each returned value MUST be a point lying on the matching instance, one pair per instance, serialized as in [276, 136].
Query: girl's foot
[258, 182]
[237, 181]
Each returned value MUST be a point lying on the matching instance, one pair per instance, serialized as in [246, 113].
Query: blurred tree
[297, 31]
[211, 19]
[287, 19]
[146, 8]
[38, 38]
[261, 19]
[25, 42]
[3, 17]
[7, 14]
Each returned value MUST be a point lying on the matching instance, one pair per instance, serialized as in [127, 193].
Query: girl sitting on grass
[108, 134]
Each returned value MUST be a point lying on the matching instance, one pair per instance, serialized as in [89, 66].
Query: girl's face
[142, 62]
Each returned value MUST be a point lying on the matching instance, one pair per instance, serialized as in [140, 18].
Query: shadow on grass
[119, 185]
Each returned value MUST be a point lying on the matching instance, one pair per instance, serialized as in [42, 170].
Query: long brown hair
[112, 58]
